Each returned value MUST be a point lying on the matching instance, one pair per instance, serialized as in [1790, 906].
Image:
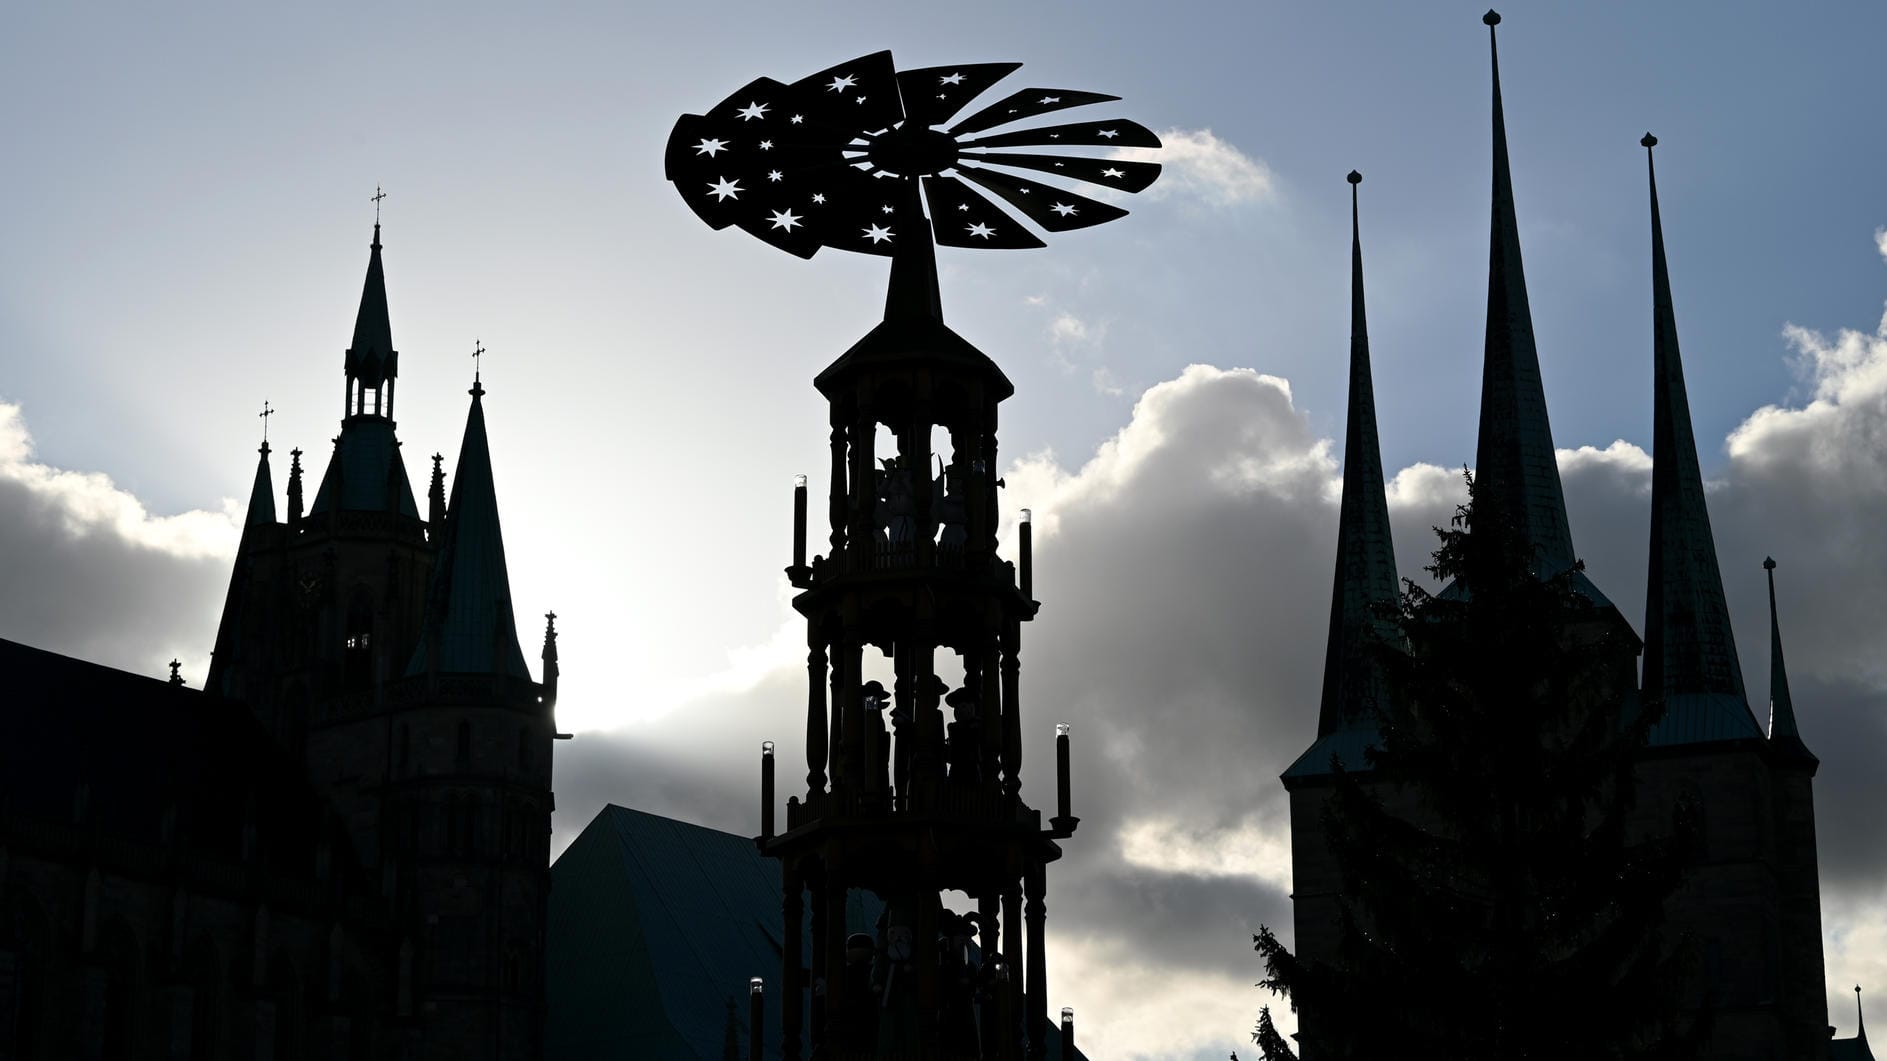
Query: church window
[357, 653]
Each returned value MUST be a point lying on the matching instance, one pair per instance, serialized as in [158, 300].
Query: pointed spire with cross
[265, 414]
[176, 678]
[478, 352]
[377, 196]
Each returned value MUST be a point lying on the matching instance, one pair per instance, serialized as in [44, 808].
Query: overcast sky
[187, 217]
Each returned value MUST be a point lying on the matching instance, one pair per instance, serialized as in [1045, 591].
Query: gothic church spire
[470, 627]
[1365, 578]
[1689, 647]
[1516, 472]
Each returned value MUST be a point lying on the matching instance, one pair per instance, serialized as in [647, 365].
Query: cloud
[91, 572]
[1200, 166]
[1184, 569]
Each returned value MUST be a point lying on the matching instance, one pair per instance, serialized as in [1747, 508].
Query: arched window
[357, 642]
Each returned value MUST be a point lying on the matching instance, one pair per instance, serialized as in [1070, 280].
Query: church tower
[897, 802]
[382, 649]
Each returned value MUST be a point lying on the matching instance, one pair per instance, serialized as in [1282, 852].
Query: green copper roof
[469, 617]
[371, 358]
[366, 473]
[1690, 652]
[1515, 467]
[1365, 577]
[261, 494]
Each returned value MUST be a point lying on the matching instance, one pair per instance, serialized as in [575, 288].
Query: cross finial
[478, 351]
[265, 414]
[176, 678]
[377, 196]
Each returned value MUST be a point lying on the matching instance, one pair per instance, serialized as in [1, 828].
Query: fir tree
[1495, 905]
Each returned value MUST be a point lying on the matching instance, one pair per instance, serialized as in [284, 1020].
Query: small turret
[1784, 734]
[294, 487]
[436, 498]
[550, 660]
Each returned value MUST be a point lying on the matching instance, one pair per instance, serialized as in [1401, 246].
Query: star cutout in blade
[752, 111]
[1110, 172]
[951, 79]
[1063, 209]
[818, 198]
[775, 175]
[979, 229]
[710, 148]
[785, 219]
[725, 190]
[840, 84]
[878, 234]
[1108, 133]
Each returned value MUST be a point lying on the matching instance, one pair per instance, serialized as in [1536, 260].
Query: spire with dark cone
[550, 660]
[1783, 732]
[470, 628]
[1690, 653]
[1365, 577]
[1516, 472]
[262, 492]
[366, 473]
[371, 359]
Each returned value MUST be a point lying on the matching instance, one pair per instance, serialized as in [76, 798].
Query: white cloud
[1201, 166]
[90, 571]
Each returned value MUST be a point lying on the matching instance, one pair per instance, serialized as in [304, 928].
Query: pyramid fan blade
[1055, 209]
[932, 95]
[861, 95]
[1086, 134]
[1107, 172]
[1027, 104]
[961, 216]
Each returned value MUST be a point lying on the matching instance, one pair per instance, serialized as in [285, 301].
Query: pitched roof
[1515, 466]
[1365, 577]
[469, 620]
[1690, 652]
[654, 924]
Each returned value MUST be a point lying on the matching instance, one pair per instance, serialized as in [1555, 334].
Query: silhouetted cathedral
[1750, 895]
[339, 849]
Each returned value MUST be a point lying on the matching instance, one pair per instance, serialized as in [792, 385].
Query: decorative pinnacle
[1649, 141]
[478, 351]
[1492, 18]
[176, 678]
[1769, 563]
[1354, 177]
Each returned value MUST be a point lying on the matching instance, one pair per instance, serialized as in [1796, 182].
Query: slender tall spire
[1689, 646]
[1859, 1022]
[366, 473]
[436, 498]
[1365, 578]
[470, 626]
[371, 359]
[1783, 732]
[1515, 468]
[549, 658]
